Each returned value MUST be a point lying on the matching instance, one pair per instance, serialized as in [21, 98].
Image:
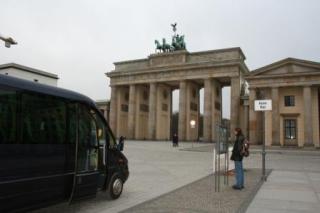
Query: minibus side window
[44, 119]
[88, 141]
[72, 123]
[101, 131]
[8, 116]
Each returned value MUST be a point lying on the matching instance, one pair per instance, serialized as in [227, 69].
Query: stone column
[132, 112]
[182, 111]
[275, 116]
[114, 110]
[252, 117]
[235, 104]
[207, 112]
[308, 127]
[152, 111]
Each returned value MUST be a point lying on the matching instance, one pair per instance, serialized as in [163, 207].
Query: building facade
[141, 97]
[28, 73]
[293, 86]
[141, 93]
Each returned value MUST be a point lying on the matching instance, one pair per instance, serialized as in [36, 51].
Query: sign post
[262, 106]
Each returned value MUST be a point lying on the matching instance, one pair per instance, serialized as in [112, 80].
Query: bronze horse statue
[164, 47]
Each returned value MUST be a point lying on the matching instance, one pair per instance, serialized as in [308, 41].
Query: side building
[28, 73]
[293, 86]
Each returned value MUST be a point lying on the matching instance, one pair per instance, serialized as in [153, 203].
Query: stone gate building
[293, 86]
[141, 97]
[141, 93]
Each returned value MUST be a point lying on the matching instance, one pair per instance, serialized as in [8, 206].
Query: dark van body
[55, 146]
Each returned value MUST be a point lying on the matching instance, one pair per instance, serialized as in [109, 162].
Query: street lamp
[8, 41]
[192, 125]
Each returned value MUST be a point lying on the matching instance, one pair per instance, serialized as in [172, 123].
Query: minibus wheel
[115, 186]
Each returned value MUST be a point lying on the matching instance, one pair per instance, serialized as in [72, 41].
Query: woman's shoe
[236, 187]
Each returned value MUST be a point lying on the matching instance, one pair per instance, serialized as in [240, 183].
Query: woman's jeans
[239, 174]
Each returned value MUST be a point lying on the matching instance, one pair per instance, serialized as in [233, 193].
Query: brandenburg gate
[141, 93]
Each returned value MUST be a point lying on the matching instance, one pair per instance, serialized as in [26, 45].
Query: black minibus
[55, 145]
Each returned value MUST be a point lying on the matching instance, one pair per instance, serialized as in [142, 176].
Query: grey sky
[80, 39]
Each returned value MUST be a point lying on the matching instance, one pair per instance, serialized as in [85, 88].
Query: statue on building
[174, 27]
[164, 47]
[177, 42]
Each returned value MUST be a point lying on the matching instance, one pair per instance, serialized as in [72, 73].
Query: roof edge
[29, 69]
[288, 60]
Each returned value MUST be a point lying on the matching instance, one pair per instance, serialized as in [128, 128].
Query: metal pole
[219, 162]
[264, 178]
[215, 170]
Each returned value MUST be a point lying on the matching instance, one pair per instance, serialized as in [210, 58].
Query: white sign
[262, 105]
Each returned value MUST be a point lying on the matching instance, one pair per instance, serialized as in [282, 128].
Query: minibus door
[87, 174]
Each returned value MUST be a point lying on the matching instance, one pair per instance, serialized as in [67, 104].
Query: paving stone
[200, 196]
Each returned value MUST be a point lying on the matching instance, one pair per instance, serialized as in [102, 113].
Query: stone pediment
[287, 67]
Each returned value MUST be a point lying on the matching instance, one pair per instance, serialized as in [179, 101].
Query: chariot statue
[177, 42]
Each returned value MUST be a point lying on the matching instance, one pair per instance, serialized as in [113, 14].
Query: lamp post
[192, 125]
[8, 41]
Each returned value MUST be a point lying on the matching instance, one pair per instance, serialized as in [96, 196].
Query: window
[88, 141]
[101, 133]
[44, 119]
[290, 128]
[8, 116]
[289, 101]
[72, 123]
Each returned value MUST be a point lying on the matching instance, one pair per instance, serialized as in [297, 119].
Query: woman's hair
[238, 130]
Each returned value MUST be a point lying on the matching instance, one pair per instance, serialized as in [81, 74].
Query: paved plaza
[156, 168]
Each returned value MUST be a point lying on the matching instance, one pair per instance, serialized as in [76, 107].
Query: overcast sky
[80, 39]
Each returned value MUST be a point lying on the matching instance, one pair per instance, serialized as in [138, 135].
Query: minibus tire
[115, 186]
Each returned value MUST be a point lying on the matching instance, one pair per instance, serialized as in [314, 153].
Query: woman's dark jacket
[236, 151]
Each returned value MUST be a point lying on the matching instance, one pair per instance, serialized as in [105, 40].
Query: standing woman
[237, 158]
